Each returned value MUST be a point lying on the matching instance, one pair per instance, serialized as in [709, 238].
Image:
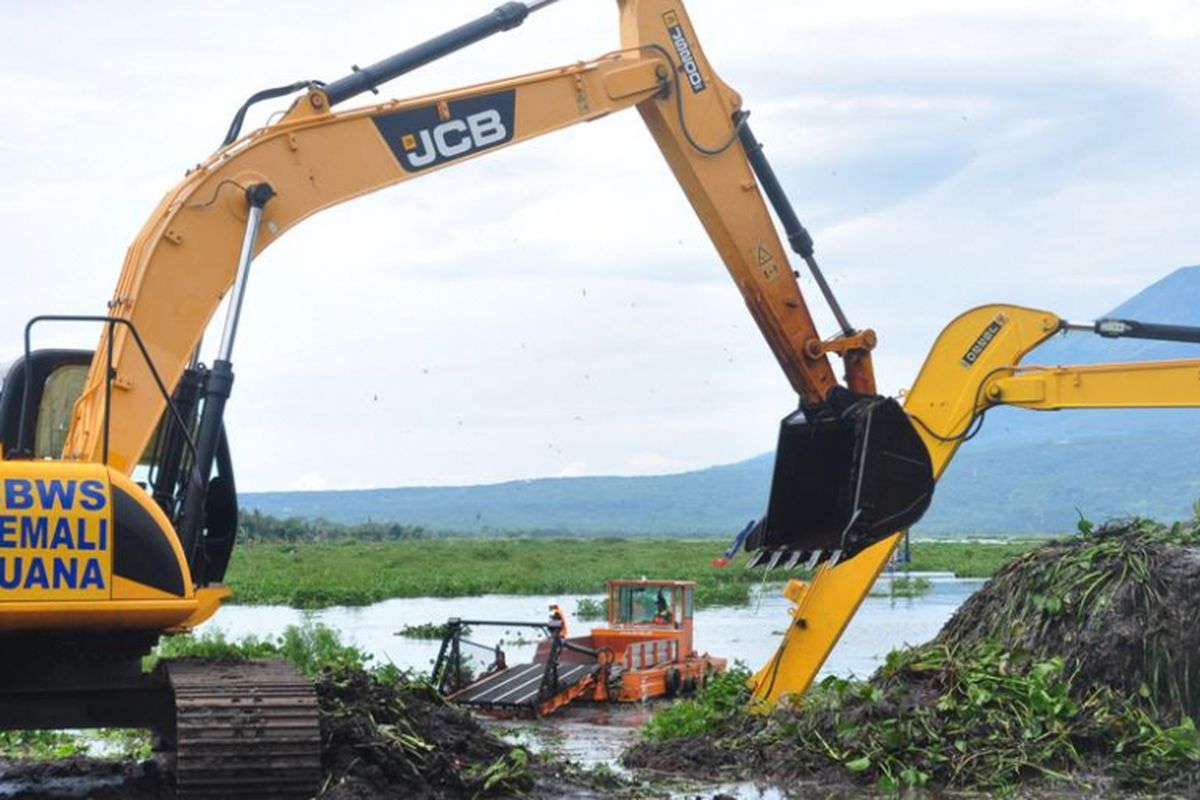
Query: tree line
[257, 526]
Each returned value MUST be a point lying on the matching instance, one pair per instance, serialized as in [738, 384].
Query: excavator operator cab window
[646, 605]
[59, 393]
[56, 379]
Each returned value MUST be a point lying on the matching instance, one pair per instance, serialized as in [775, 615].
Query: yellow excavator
[96, 565]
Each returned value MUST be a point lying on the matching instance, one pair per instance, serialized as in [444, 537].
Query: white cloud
[653, 464]
[309, 482]
[556, 307]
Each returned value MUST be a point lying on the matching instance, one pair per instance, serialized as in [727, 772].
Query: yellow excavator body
[84, 547]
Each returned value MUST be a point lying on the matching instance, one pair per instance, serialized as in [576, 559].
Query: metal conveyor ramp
[520, 687]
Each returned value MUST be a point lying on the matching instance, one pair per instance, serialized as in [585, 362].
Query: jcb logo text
[426, 137]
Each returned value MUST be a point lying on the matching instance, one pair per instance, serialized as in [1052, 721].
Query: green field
[320, 574]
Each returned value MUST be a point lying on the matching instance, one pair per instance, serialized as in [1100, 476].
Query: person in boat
[499, 663]
[662, 613]
[558, 621]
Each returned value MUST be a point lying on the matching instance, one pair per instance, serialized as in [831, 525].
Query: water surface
[750, 634]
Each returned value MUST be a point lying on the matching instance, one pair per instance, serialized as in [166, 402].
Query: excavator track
[244, 729]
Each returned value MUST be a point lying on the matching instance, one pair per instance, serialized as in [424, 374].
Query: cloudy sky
[554, 309]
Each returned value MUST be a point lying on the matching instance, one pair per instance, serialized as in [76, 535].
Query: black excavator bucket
[842, 484]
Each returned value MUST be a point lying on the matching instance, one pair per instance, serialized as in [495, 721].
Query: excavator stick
[841, 484]
[850, 469]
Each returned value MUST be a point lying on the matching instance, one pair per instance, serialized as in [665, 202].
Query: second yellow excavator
[95, 566]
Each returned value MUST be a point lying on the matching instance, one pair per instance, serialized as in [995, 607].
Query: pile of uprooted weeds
[1079, 661]
[387, 736]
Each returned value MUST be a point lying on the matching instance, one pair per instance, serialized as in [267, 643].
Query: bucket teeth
[756, 559]
[813, 560]
[783, 558]
[847, 479]
[834, 558]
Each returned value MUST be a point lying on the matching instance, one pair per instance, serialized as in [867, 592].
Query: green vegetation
[993, 719]
[254, 526]
[41, 745]
[429, 630]
[967, 559]
[311, 647]
[354, 573]
[721, 699]
[903, 586]
[1079, 658]
[589, 609]
[121, 744]
[111, 743]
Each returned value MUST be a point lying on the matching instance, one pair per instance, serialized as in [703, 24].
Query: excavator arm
[185, 258]
[975, 365]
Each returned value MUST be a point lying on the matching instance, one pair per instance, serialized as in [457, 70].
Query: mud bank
[1076, 668]
[383, 736]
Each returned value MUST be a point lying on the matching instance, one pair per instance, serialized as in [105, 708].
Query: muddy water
[591, 734]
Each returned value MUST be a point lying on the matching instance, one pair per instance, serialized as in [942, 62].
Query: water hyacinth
[1075, 663]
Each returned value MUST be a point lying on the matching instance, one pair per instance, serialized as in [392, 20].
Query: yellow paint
[125, 589]
[208, 601]
[56, 532]
[98, 615]
[38, 498]
[948, 396]
[152, 508]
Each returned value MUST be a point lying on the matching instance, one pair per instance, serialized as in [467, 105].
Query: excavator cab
[842, 482]
[34, 422]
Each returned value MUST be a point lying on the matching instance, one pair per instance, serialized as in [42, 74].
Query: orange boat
[645, 652]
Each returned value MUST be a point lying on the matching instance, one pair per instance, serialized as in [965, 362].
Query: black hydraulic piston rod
[1132, 329]
[217, 387]
[798, 237]
[368, 79]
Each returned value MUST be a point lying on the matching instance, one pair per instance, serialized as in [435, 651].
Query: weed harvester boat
[645, 652]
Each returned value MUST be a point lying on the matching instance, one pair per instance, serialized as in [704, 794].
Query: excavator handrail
[27, 452]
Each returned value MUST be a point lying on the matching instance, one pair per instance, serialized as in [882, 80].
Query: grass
[434, 631]
[311, 647]
[356, 573]
[903, 586]
[723, 698]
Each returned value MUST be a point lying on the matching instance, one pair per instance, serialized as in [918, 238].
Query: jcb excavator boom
[149, 561]
[852, 467]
